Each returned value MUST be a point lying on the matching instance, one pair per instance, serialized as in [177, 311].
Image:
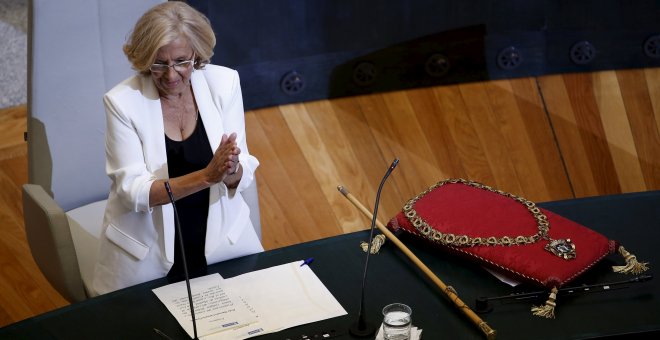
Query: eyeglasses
[179, 67]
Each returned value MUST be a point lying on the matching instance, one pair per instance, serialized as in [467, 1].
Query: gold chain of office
[562, 248]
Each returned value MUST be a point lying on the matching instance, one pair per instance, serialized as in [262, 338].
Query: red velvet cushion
[462, 209]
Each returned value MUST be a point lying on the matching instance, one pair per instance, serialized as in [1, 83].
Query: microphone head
[394, 163]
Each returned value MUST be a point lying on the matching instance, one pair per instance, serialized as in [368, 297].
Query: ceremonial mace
[483, 326]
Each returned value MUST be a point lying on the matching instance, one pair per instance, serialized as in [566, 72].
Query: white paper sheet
[262, 301]
[217, 307]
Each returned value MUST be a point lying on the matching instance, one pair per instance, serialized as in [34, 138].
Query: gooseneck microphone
[362, 328]
[183, 257]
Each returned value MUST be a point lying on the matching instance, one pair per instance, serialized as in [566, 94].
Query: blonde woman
[178, 120]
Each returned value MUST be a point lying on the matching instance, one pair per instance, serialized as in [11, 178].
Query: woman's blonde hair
[161, 25]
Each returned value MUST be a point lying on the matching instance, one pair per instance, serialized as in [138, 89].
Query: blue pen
[308, 261]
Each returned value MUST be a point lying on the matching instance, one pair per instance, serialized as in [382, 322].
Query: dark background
[297, 50]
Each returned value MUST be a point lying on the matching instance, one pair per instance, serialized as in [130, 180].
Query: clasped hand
[225, 160]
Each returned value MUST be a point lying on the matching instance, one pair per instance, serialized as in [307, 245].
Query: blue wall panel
[297, 50]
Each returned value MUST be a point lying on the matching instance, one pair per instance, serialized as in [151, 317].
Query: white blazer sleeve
[233, 116]
[125, 159]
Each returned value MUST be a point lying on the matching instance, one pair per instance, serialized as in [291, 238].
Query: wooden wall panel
[542, 140]
[491, 137]
[606, 125]
[581, 95]
[286, 182]
[639, 110]
[437, 132]
[484, 131]
[370, 162]
[550, 138]
[327, 151]
[653, 82]
[451, 106]
[568, 134]
[618, 132]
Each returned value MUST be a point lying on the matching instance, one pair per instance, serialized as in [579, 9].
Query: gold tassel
[548, 310]
[376, 243]
[632, 265]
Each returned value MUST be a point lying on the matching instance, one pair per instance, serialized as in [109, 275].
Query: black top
[184, 157]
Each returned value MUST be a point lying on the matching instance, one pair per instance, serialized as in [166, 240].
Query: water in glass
[396, 323]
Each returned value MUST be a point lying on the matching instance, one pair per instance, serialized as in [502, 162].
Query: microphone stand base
[362, 331]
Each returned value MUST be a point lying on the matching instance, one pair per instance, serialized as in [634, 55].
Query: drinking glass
[397, 321]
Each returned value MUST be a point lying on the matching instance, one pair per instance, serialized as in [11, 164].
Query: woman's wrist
[231, 181]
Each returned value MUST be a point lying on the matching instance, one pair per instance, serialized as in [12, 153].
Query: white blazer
[137, 243]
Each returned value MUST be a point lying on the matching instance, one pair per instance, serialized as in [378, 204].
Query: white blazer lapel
[156, 159]
[212, 116]
[207, 109]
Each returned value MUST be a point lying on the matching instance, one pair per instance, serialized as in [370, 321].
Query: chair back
[74, 57]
